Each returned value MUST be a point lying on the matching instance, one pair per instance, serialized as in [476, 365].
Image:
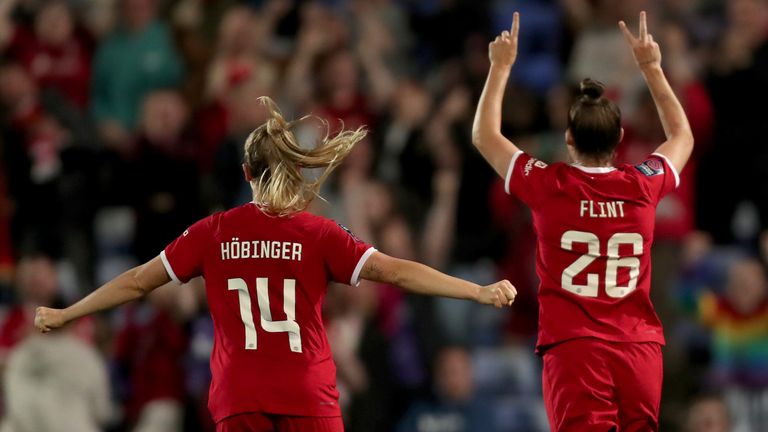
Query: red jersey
[594, 231]
[265, 279]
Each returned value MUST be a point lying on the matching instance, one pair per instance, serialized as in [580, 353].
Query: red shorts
[596, 385]
[261, 422]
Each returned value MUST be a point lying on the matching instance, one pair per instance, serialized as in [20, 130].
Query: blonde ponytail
[275, 161]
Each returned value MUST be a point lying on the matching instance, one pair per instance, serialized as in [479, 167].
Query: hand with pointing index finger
[645, 50]
[503, 50]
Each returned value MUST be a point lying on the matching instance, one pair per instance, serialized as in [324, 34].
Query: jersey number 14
[613, 263]
[288, 325]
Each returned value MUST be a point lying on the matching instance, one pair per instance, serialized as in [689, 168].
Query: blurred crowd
[122, 122]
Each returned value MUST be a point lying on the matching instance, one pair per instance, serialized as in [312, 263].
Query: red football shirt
[594, 230]
[265, 279]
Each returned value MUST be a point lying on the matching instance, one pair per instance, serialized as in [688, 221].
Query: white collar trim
[594, 170]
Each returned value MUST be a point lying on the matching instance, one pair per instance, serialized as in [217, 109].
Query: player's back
[266, 278]
[595, 230]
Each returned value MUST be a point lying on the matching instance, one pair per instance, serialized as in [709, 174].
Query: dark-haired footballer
[599, 336]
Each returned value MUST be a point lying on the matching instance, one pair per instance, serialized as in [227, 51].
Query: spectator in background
[384, 39]
[598, 49]
[739, 322]
[454, 407]
[549, 141]
[37, 284]
[340, 96]
[443, 26]
[198, 359]
[708, 413]
[98, 17]
[319, 33]
[405, 154]
[243, 116]
[53, 53]
[238, 60]
[401, 145]
[360, 352]
[150, 346]
[163, 203]
[472, 240]
[738, 319]
[47, 154]
[56, 384]
[352, 80]
[738, 83]
[241, 39]
[138, 57]
[357, 317]
[31, 117]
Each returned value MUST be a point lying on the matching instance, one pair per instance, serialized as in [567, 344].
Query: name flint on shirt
[605, 209]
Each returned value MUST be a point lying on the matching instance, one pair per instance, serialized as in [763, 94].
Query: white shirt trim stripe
[509, 170]
[594, 170]
[355, 280]
[672, 167]
[168, 268]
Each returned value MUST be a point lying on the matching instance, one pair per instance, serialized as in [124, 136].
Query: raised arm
[131, 285]
[679, 144]
[486, 129]
[420, 279]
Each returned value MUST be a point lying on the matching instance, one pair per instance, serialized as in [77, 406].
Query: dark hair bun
[591, 88]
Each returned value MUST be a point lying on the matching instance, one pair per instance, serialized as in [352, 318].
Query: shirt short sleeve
[660, 174]
[183, 258]
[525, 178]
[345, 254]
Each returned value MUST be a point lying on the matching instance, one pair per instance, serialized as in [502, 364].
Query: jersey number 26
[611, 267]
[289, 325]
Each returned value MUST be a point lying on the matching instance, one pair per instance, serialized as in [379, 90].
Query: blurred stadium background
[122, 123]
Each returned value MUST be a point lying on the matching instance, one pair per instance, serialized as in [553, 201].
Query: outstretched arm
[131, 285]
[486, 129]
[420, 279]
[679, 144]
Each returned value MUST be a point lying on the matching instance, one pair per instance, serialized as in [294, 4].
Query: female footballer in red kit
[599, 336]
[266, 266]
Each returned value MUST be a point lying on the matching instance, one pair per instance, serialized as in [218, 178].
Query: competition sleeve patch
[651, 167]
[344, 253]
[349, 231]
